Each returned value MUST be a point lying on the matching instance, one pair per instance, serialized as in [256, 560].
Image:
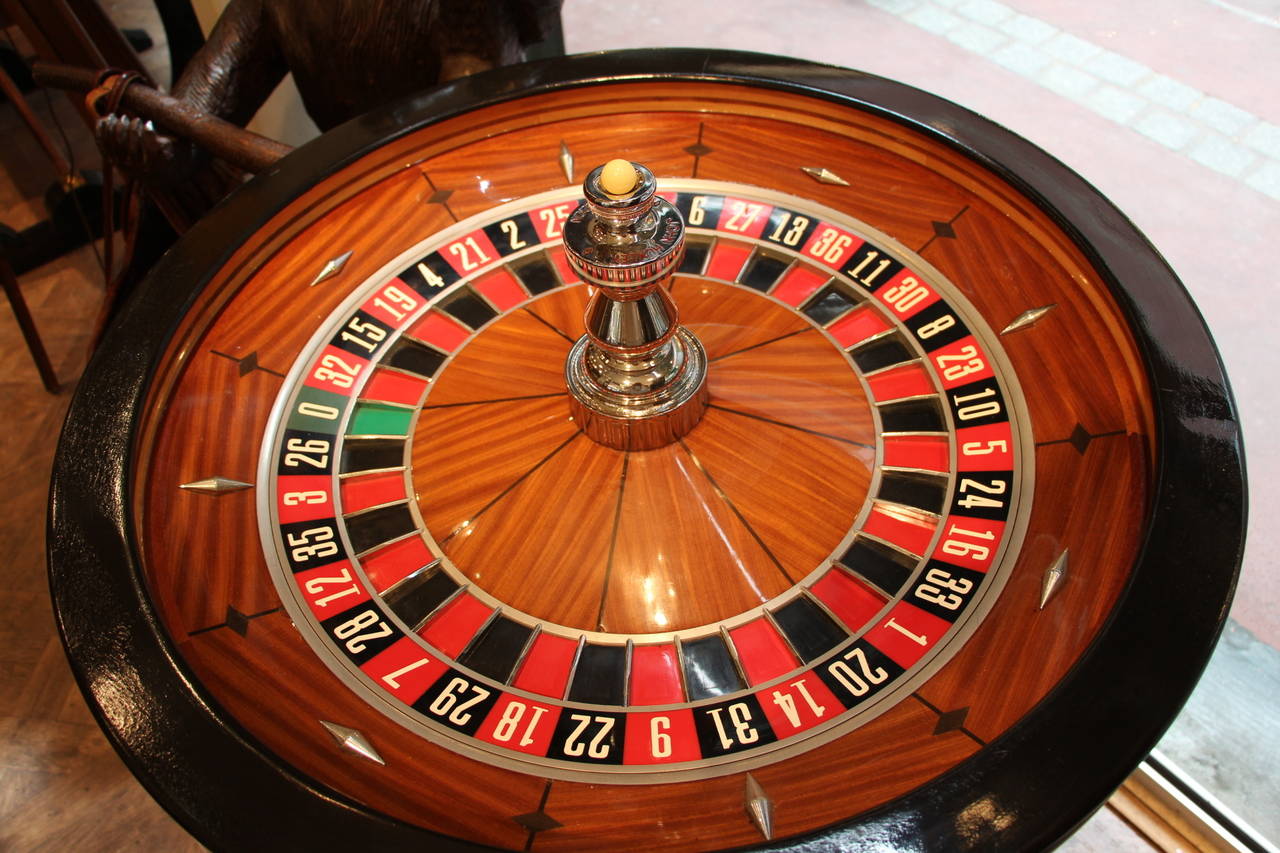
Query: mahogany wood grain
[902, 209]
[727, 320]
[300, 695]
[486, 369]
[800, 510]
[1096, 517]
[870, 769]
[532, 162]
[464, 458]
[554, 569]
[823, 397]
[1078, 364]
[681, 552]
[1082, 336]
[223, 413]
[683, 558]
[563, 311]
[210, 433]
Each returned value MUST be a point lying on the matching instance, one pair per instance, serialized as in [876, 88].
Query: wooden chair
[9, 241]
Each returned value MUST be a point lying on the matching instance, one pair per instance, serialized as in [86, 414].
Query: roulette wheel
[890, 494]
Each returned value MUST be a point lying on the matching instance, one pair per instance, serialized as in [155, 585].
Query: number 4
[429, 276]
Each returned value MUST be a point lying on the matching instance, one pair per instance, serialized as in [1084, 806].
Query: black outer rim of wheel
[1043, 777]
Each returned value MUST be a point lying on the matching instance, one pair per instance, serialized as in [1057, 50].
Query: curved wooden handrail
[243, 148]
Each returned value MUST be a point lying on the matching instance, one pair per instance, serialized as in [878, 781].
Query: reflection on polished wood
[750, 461]
[1078, 366]
[823, 397]
[563, 311]
[488, 372]
[461, 471]
[553, 568]
[729, 321]
[682, 558]
[1102, 526]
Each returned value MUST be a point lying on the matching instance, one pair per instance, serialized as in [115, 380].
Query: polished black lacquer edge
[1027, 790]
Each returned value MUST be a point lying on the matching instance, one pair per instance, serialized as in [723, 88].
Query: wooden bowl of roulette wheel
[895, 500]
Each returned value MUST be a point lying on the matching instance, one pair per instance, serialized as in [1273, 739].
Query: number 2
[509, 228]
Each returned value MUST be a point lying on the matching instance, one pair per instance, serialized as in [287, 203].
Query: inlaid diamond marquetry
[1080, 438]
[538, 821]
[246, 364]
[824, 176]
[353, 740]
[332, 268]
[237, 621]
[951, 720]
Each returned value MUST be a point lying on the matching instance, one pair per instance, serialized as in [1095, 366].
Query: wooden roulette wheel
[937, 558]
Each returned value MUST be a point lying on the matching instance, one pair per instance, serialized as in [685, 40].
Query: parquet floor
[62, 786]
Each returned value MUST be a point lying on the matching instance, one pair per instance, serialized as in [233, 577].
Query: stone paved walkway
[1224, 134]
